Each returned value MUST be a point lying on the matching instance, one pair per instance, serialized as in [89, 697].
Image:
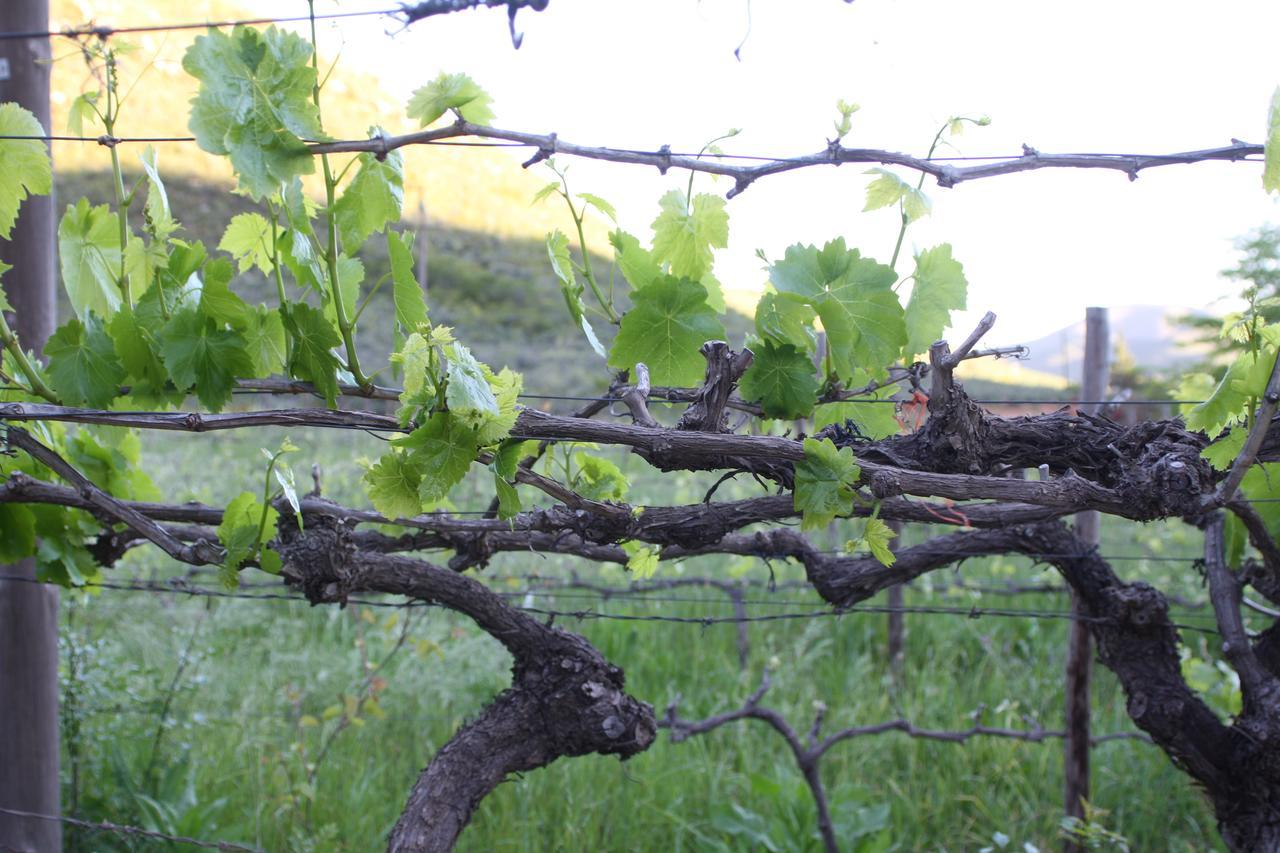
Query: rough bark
[565, 698]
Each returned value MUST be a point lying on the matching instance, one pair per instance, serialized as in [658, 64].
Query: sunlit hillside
[471, 188]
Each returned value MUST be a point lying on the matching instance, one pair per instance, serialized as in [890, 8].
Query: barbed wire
[102, 31]
[971, 612]
[125, 829]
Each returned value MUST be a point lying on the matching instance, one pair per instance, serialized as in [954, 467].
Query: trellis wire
[972, 612]
[124, 829]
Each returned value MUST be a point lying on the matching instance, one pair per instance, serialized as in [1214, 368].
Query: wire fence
[125, 830]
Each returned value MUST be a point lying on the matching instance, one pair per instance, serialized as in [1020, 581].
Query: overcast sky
[1038, 247]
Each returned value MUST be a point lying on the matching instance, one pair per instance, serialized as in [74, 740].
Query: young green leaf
[238, 533]
[782, 380]
[254, 103]
[264, 340]
[139, 352]
[468, 394]
[785, 321]
[889, 189]
[411, 305]
[635, 262]
[599, 479]
[665, 328]
[27, 170]
[83, 366]
[940, 288]
[1271, 149]
[506, 387]
[642, 559]
[248, 240]
[311, 358]
[201, 356]
[373, 198]
[442, 450]
[600, 204]
[570, 288]
[853, 296]
[876, 536]
[824, 483]
[456, 92]
[89, 255]
[216, 299]
[393, 486]
[508, 498]
[684, 235]
[156, 212]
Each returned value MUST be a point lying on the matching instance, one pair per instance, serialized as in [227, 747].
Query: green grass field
[232, 719]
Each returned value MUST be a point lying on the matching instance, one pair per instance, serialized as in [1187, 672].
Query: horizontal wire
[104, 32]
[973, 612]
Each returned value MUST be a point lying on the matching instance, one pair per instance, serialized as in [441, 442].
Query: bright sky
[1150, 76]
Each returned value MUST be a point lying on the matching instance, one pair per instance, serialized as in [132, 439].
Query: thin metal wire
[973, 612]
[105, 32]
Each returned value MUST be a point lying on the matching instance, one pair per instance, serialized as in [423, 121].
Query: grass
[209, 717]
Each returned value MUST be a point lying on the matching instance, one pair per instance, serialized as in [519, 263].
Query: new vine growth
[159, 320]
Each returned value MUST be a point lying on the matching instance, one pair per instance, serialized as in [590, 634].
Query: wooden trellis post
[1079, 647]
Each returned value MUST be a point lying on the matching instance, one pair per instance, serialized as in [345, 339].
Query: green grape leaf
[4, 301]
[89, 256]
[685, 238]
[216, 299]
[202, 356]
[456, 92]
[350, 277]
[255, 103]
[82, 108]
[27, 170]
[715, 293]
[248, 240]
[876, 536]
[238, 533]
[415, 360]
[642, 559]
[139, 353]
[634, 261]
[83, 366]
[411, 304]
[506, 387]
[1262, 484]
[570, 288]
[1222, 452]
[860, 312]
[1245, 377]
[785, 321]
[442, 449]
[264, 340]
[313, 339]
[156, 211]
[508, 498]
[508, 455]
[599, 479]
[1271, 149]
[600, 204]
[665, 328]
[544, 193]
[393, 486]
[298, 246]
[889, 189]
[17, 533]
[372, 199]
[940, 288]
[825, 482]
[782, 380]
[468, 394]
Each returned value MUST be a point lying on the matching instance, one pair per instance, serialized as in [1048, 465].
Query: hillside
[488, 271]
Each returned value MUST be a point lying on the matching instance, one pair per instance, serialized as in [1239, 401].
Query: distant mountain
[1148, 332]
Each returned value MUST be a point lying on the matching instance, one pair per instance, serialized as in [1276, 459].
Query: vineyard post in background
[897, 619]
[29, 612]
[1093, 388]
